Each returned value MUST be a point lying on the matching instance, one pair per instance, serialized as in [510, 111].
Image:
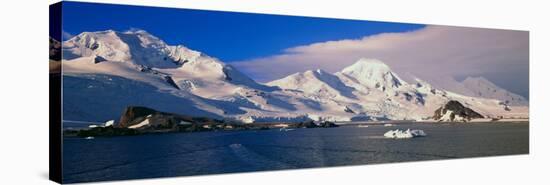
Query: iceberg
[400, 134]
[109, 123]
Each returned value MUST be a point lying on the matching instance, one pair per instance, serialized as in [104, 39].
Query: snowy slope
[137, 47]
[318, 82]
[108, 70]
[96, 97]
[482, 87]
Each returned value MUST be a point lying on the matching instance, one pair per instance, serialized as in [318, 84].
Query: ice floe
[404, 134]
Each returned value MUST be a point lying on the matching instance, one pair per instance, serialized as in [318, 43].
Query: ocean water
[185, 154]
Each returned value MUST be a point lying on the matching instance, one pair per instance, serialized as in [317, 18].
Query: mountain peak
[373, 73]
[367, 63]
[316, 72]
[135, 46]
[315, 82]
[319, 71]
[136, 30]
[94, 34]
[478, 79]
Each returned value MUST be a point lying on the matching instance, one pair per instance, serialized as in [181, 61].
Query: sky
[228, 36]
[269, 47]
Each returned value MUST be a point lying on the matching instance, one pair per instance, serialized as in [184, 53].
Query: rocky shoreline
[136, 120]
[142, 120]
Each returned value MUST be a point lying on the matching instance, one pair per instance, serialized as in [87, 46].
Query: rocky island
[136, 120]
[454, 111]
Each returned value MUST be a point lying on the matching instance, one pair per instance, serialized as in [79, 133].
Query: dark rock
[226, 74]
[311, 124]
[55, 50]
[107, 132]
[92, 46]
[348, 110]
[306, 124]
[408, 96]
[420, 98]
[181, 63]
[99, 59]
[170, 81]
[161, 120]
[132, 113]
[327, 124]
[144, 69]
[457, 110]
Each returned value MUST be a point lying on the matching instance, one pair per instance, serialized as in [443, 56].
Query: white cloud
[428, 53]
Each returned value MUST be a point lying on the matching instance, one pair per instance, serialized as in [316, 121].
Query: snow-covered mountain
[148, 72]
[106, 71]
[370, 89]
[319, 82]
[482, 87]
[373, 73]
[139, 49]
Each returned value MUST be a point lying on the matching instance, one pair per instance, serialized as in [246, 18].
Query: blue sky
[225, 35]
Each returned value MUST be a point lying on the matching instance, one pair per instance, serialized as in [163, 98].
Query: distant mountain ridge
[481, 87]
[137, 68]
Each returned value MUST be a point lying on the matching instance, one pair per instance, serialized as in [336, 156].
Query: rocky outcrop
[55, 50]
[143, 118]
[454, 111]
[55, 56]
[170, 81]
[132, 113]
[327, 124]
[149, 118]
[312, 124]
[98, 59]
[136, 120]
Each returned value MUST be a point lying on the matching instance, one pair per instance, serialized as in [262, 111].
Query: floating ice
[109, 123]
[400, 134]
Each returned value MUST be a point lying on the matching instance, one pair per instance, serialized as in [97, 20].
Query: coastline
[111, 131]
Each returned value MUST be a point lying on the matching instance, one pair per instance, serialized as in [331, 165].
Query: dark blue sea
[185, 154]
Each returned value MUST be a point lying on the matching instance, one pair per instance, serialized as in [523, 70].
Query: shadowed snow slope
[107, 71]
[316, 82]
